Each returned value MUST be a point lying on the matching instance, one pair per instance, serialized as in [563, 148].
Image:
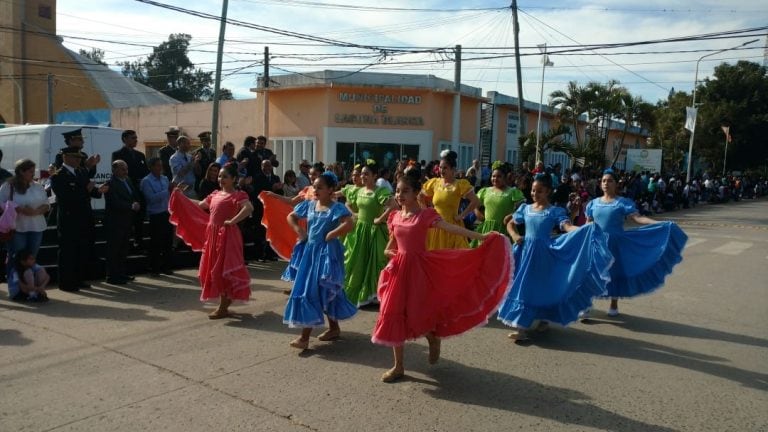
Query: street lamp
[544, 63]
[693, 103]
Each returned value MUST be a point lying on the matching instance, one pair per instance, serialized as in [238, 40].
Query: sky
[484, 28]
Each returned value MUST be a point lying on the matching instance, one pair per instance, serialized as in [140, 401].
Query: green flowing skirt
[363, 261]
[487, 226]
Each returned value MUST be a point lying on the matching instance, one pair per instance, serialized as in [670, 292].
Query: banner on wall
[644, 160]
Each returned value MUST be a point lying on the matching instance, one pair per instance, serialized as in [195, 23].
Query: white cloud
[588, 23]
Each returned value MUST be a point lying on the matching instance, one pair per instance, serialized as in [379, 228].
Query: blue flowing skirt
[644, 257]
[557, 278]
[317, 272]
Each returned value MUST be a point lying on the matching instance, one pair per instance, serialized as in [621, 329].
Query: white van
[41, 143]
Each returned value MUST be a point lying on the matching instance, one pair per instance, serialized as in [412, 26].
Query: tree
[669, 133]
[552, 140]
[571, 104]
[169, 70]
[634, 111]
[95, 55]
[735, 97]
[224, 94]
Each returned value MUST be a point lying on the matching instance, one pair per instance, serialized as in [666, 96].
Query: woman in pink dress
[435, 293]
[222, 273]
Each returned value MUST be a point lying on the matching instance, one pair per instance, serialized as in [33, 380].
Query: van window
[20, 146]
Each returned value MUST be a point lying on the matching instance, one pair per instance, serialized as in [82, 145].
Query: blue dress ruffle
[317, 270]
[644, 256]
[556, 278]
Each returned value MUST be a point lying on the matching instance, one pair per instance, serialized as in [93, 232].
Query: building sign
[380, 109]
[643, 160]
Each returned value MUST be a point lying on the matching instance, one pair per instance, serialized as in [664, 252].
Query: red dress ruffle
[448, 291]
[222, 266]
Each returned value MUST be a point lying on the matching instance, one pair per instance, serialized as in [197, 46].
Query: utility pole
[266, 92]
[456, 102]
[520, 113]
[217, 82]
[50, 99]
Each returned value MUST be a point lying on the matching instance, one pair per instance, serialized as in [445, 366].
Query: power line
[300, 3]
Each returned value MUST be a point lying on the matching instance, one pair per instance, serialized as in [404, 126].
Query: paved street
[691, 357]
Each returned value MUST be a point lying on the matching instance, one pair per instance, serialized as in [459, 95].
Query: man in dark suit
[207, 156]
[165, 153]
[265, 180]
[247, 156]
[74, 139]
[74, 189]
[263, 153]
[121, 204]
[137, 170]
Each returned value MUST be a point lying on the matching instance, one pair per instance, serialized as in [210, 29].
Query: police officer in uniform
[74, 139]
[207, 156]
[165, 153]
[74, 190]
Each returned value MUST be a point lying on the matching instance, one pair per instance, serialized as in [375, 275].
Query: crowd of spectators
[140, 190]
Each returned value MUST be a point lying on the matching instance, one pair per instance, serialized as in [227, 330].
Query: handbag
[8, 219]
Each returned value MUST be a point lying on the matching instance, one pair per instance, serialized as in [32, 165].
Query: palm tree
[634, 110]
[605, 104]
[551, 140]
[570, 105]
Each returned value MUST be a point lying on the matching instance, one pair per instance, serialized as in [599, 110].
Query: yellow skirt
[440, 239]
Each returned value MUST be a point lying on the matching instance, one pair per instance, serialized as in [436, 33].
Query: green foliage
[95, 55]
[737, 96]
[551, 140]
[169, 70]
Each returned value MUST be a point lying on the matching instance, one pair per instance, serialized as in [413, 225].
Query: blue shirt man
[182, 167]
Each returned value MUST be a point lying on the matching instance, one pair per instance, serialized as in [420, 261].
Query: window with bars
[292, 150]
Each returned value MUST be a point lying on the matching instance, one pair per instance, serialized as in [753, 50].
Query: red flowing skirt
[222, 266]
[448, 291]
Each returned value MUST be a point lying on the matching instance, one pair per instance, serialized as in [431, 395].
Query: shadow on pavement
[466, 385]
[669, 328]
[70, 309]
[472, 386]
[157, 295]
[13, 337]
[576, 340]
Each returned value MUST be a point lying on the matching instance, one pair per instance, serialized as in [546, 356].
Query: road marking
[732, 248]
[694, 241]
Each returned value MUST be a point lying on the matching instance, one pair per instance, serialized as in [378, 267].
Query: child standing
[554, 279]
[364, 255]
[27, 280]
[223, 275]
[434, 293]
[318, 261]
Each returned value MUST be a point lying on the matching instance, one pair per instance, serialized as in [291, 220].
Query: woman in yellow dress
[446, 193]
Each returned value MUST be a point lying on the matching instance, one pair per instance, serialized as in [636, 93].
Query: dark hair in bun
[231, 169]
[544, 180]
[450, 157]
[412, 178]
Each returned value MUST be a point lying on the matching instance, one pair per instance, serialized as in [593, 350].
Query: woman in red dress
[435, 293]
[222, 273]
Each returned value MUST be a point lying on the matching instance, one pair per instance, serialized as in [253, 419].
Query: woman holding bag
[31, 206]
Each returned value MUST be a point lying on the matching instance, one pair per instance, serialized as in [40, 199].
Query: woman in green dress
[496, 201]
[364, 255]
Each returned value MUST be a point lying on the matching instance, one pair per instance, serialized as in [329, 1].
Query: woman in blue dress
[643, 256]
[554, 278]
[318, 288]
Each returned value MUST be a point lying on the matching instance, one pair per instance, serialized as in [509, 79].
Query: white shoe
[613, 312]
[584, 315]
